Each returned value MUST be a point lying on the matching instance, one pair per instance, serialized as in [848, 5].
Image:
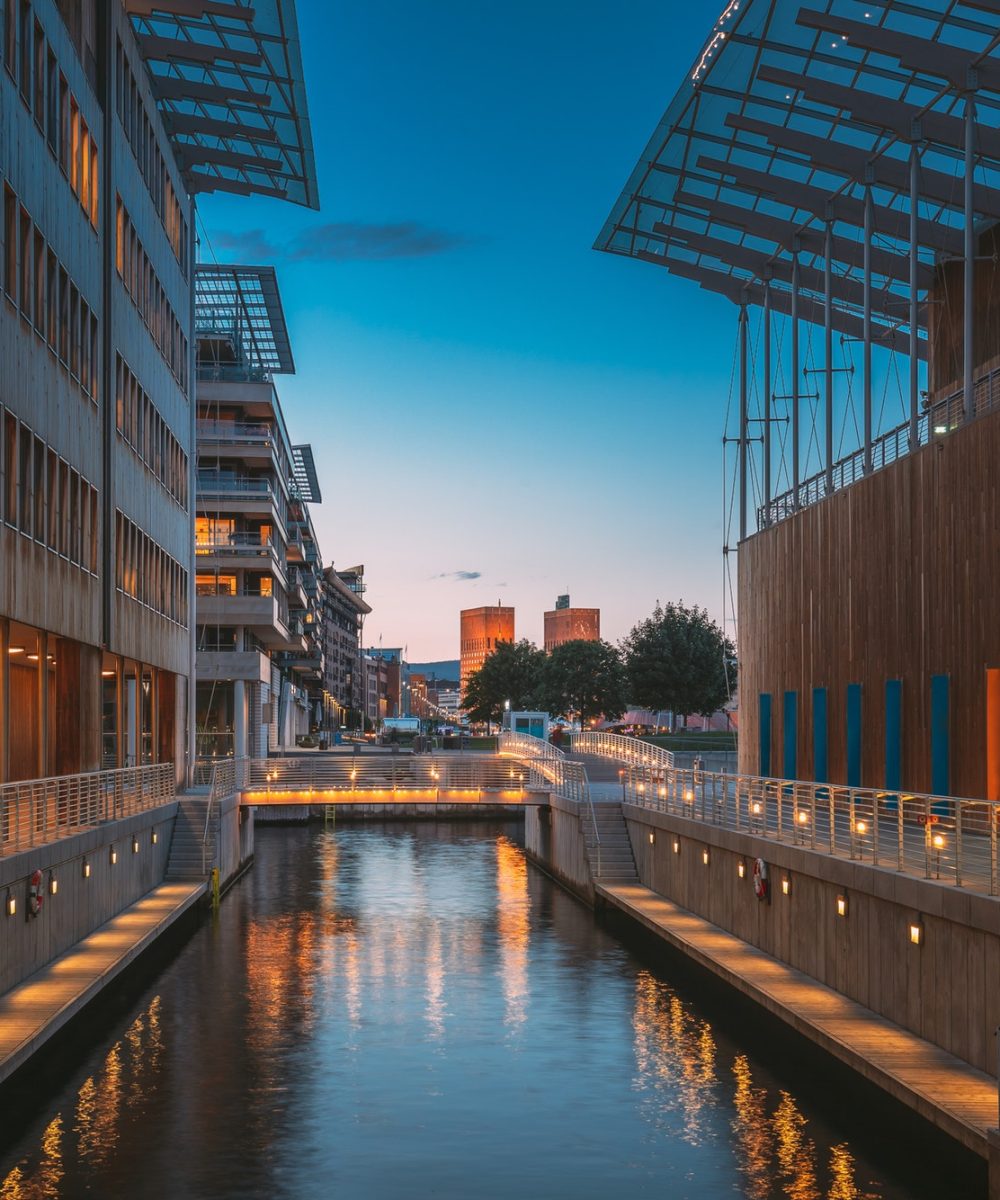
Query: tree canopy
[584, 677]
[512, 672]
[679, 659]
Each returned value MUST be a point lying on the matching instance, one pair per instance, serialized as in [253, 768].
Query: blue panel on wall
[940, 749]
[820, 754]
[764, 748]
[893, 738]
[854, 735]
[789, 733]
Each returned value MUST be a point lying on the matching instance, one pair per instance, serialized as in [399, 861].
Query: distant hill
[447, 669]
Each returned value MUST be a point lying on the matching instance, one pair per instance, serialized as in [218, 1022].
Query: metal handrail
[946, 838]
[228, 776]
[34, 812]
[323, 777]
[628, 750]
[568, 778]
[942, 417]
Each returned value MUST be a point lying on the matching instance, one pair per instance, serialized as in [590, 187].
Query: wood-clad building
[96, 431]
[835, 173]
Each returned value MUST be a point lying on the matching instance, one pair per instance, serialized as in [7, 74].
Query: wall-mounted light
[860, 828]
[677, 846]
[917, 932]
[705, 857]
[154, 837]
[113, 856]
[135, 844]
[841, 906]
[11, 903]
[786, 886]
[689, 796]
[755, 808]
[652, 838]
[741, 869]
[53, 885]
[86, 869]
[803, 817]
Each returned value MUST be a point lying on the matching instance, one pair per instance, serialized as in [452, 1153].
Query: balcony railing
[227, 485]
[233, 431]
[940, 419]
[36, 811]
[237, 544]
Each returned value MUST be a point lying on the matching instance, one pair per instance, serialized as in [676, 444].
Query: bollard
[215, 887]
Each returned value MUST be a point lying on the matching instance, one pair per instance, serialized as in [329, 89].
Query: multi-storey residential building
[567, 624]
[104, 139]
[481, 630]
[344, 611]
[258, 583]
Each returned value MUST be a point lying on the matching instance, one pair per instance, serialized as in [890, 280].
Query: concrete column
[240, 718]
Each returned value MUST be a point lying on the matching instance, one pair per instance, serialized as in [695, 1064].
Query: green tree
[512, 672]
[587, 678]
[679, 659]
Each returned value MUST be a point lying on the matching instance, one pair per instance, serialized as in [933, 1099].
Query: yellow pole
[215, 887]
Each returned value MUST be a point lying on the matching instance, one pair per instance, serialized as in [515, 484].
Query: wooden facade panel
[893, 578]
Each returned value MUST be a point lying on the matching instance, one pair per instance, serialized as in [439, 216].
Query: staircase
[610, 852]
[185, 861]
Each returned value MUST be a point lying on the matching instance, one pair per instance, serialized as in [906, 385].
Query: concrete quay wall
[235, 839]
[944, 989]
[553, 840]
[81, 903]
[285, 814]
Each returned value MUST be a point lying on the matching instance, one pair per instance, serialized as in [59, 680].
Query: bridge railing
[328, 775]
[629, 751]
[36, 811]
[950, 839]
[561, 775]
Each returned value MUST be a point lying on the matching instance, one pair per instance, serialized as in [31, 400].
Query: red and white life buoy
[35, 894]
[760, 884]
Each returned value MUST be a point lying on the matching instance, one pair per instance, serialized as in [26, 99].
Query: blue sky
[486, 394]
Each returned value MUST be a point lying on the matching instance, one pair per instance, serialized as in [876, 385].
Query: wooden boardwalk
[943, 1089]
[34, 1010]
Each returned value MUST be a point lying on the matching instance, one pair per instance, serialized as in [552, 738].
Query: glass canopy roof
[227, 75]
[242, 306]
[787, 117]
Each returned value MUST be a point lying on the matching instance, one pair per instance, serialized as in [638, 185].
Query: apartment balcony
[239, 551]
[224, 665]
[231, 494]
[256, 444]
[261, 614]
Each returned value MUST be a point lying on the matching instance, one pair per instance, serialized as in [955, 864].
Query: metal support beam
[914, 286]
[743, 420]
[968, 386]
[828, 355]
[767, 394]
[867, 337]
[795, 378]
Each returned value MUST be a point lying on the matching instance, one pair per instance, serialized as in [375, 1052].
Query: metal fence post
[994, 814]
[899, 833]
[958, 843]
[851, 815]
[875, 829]
[927, 837]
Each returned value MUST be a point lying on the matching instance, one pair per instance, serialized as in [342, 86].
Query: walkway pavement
[940, 1087]
[34, 1010]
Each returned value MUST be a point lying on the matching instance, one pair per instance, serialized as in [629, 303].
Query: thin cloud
[252, 246]
[343, 241]
[352, 241]
[460, 576]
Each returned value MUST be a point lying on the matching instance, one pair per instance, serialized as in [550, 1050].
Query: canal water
[384, 1011]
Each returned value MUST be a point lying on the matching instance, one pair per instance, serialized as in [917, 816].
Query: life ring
[35, 894]
[760, 884]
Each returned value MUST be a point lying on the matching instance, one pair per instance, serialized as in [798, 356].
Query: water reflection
[514, 928]
[407, 1011]
[675, 1054]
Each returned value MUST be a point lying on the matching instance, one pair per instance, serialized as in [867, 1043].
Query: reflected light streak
[796, 1152]
[513, 927]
